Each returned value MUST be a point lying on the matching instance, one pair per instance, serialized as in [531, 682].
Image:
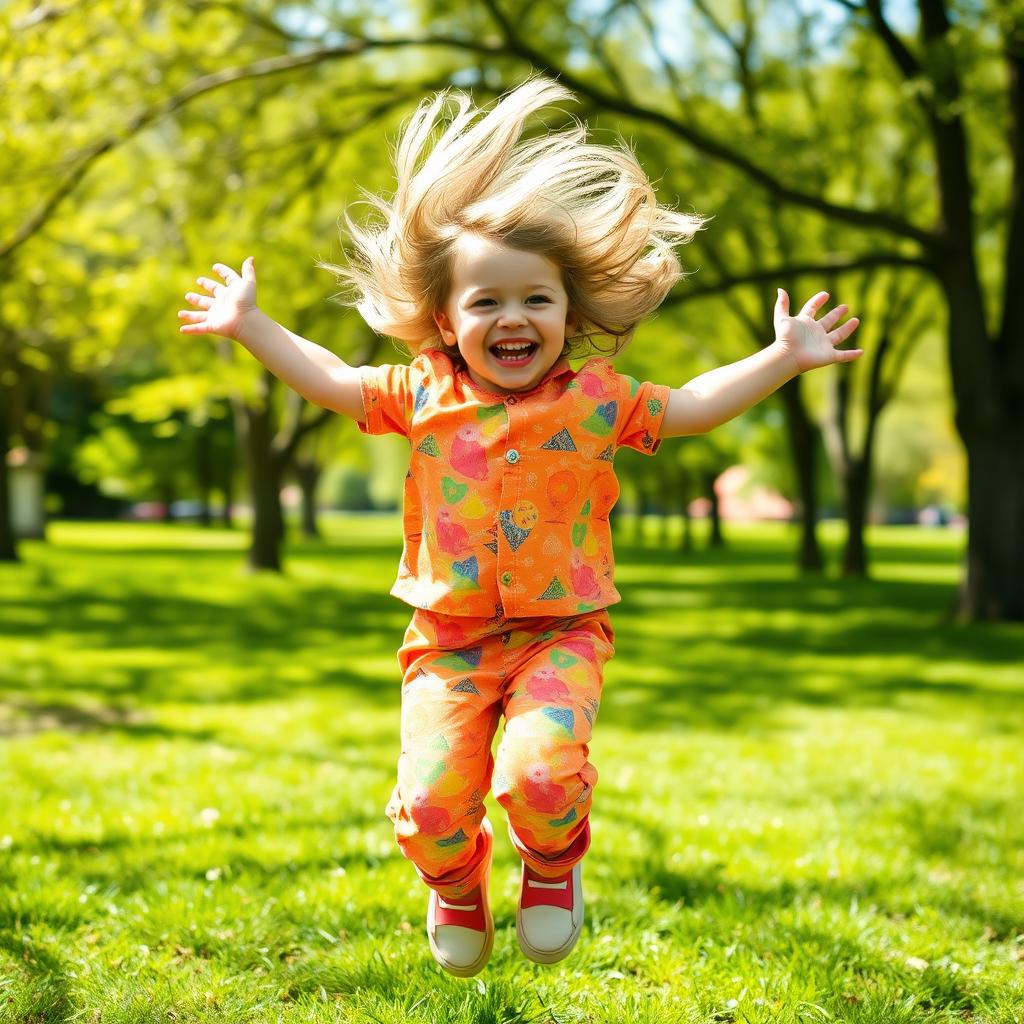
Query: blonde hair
[590, 209]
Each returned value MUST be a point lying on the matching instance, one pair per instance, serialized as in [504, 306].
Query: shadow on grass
[918, 825]
[715, 639]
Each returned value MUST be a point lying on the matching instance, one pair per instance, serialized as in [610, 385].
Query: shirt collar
[560, 368]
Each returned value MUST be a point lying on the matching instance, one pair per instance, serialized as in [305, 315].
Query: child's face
[501, 295]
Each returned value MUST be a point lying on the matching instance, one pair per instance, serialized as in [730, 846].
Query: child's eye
[480, 302]
[543, 298]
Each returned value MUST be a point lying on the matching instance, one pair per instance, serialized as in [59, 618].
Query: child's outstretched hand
[223, 314]
[812, 342]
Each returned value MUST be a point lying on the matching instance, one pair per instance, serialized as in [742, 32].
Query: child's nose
[512, 315]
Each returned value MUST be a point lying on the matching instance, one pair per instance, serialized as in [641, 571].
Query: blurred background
[142, 142]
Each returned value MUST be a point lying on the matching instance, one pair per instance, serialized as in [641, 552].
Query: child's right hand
[223, 314]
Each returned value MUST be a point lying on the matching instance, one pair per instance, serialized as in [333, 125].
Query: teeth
[513, 346]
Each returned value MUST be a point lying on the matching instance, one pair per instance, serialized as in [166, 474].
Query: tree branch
[902, 57]
[205, 84]
[667, 67]
[741, 49]
[711, 147]
[250, 15]
[772, 274]
[358, 46]
[1011, 329]
[714, 255]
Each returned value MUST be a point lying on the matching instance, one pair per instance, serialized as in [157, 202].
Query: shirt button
[511, 400]
[511, 456]
[506, 578]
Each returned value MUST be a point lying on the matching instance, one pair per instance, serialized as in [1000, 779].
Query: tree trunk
[993, 585]
[8, 545]
[228, 491]
[265, 486]
[307, 472]
[638, 519]
[856, 484]
[802, 438]
[276, 508]
[715, 539]
[204, 476]
[686, 541]
[988, 384]
[166, 492]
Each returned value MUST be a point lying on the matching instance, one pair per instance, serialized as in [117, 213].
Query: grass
[809, 806]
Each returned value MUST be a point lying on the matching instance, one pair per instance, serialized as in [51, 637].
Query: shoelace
[540, 893]
[465, 914]
[445, 905]
[564, 884]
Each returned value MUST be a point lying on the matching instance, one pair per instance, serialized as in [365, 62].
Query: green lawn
[811, 804]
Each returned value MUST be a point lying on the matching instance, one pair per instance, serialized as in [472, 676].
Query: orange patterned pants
[460, 674]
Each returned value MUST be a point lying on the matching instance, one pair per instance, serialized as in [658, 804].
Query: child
[496, 258]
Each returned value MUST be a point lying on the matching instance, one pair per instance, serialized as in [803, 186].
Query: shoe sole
[552, 956]
[460, 970]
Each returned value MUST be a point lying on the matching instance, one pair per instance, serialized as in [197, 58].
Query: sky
[676, 16]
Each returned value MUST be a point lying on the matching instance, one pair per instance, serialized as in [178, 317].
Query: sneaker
[461, 932]
[550, 915]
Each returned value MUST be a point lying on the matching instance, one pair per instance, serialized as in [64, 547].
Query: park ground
[809, 805]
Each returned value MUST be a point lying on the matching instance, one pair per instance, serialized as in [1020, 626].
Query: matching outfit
[507, 560]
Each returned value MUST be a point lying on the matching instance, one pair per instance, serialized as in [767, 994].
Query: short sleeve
[641, 410]
[387, 399]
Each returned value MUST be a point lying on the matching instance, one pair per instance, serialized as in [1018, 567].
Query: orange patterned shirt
[507, 496]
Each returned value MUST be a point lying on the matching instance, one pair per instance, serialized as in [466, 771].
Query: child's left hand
[810, 342]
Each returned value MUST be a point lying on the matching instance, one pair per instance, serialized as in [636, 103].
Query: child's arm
[314, 372]
[801, 343]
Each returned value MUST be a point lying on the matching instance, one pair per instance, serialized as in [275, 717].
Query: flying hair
[588, 208]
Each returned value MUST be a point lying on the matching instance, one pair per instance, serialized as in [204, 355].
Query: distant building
[741, 501]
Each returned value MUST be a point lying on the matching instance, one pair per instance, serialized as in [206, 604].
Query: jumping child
[496, 259]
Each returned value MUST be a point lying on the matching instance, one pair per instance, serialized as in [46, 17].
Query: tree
[146, 66]
[982, 47]
[898, 333]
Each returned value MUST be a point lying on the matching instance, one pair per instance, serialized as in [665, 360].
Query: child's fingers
[834, 316]
[813, 304]
[841, 333]
[197, 321]
[203, 301]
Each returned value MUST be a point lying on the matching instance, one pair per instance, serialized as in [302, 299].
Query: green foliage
[347, 489]
[267, 163]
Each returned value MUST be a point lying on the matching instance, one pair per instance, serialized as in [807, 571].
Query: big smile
[514, 353]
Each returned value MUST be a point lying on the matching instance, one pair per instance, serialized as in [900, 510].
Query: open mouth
[514, 353]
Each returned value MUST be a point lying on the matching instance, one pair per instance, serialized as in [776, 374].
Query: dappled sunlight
[815, 776]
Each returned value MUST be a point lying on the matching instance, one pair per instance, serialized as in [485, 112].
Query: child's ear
[444, 325]
[572, 322]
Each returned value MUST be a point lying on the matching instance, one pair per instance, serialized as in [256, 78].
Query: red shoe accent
[538, 891]
[466, 912]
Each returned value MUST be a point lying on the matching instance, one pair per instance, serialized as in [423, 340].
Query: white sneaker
[461, 932]
[549, 919]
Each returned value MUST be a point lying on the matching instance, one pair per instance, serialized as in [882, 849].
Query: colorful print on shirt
[507, 497]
